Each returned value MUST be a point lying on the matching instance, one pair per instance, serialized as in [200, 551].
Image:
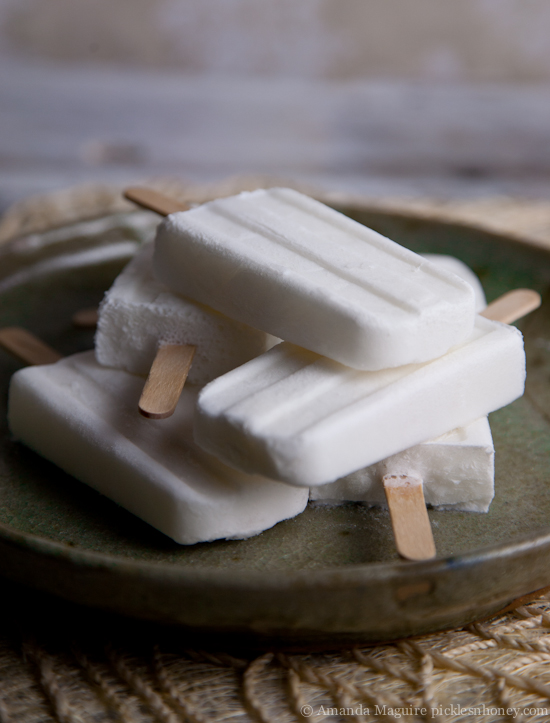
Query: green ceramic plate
[328, 576]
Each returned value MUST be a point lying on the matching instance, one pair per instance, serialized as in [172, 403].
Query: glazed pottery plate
[328, 576]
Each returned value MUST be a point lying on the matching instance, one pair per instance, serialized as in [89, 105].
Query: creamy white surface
[285, 263]
[458, 267]
[457, 470]
[83, 417]
[138, 314]
[299, 417]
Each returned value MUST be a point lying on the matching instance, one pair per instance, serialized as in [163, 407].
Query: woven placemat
[63, 663]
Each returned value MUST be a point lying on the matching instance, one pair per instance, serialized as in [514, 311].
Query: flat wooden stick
[85, 318]
[405, 493]
[166, 380]
[409, 517]
[512, 306]
[154, 201]
[172, 363]
[27, 347]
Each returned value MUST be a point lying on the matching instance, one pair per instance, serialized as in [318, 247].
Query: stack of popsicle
[382, 351]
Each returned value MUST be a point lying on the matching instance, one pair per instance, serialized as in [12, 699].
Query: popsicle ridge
[279, 239]
[351, 421]
[305, 242]
[278, 399]
[286, 264]
[341, 222]
[350, 389]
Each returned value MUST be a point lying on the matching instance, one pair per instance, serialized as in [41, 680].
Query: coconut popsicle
[282, 262]
[302, 418]
[138, 314]
[81, 416]
[457, 471]
[457, 468]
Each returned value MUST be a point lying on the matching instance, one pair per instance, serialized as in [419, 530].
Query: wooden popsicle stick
[166, 380]
[85, 318]
[409, 517]
[172, 363]
[27, 347]
[154, 201]
[512, 306]
[404, 493]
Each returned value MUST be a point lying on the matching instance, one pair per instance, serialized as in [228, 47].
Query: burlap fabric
[58, 662]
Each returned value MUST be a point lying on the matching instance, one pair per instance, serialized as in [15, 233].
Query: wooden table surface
[65, 125]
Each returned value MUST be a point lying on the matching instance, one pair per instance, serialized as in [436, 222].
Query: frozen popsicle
[81, 416]
[88, 317]
[457, 471]
[282, 262]
[139, 314]
[299, 417]
[460, 463]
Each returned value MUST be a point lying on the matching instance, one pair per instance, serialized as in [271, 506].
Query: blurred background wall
[376, 96]
[470, 40]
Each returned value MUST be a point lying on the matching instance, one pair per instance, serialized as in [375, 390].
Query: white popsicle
[299, 417]
[285, 263]
[82, 417]
[457, 470]
[139, 313]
